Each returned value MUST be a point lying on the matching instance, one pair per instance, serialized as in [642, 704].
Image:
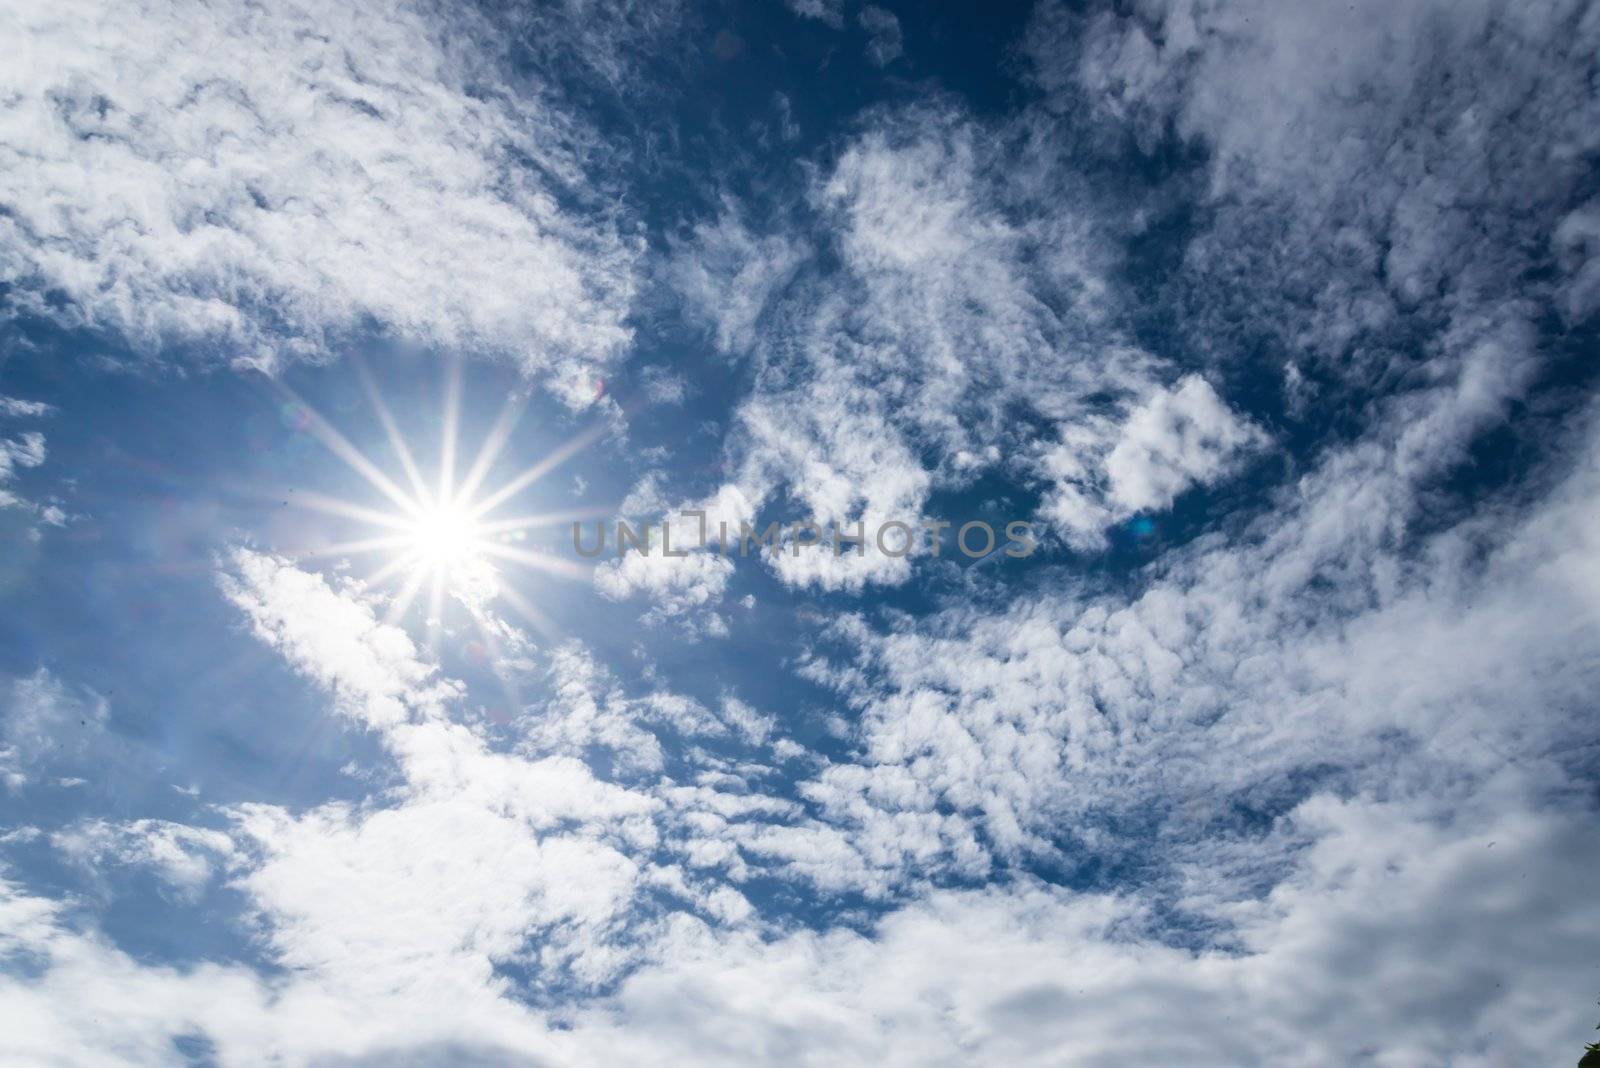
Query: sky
[1273, 742]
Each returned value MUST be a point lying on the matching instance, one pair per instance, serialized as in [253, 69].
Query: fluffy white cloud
[485, 849]
[87, 1002]
[1175, 439]
[1309, 645]
[372, 668]
[487, 860]
[685, 587]
[271, 177]
[1314, 640]
[1445, 874]
[1395, 939]
[588, 710]
[680, 588]
[184, 858]
[463, 888]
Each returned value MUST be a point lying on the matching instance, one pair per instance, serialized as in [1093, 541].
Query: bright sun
[446, 537]
[443, 533]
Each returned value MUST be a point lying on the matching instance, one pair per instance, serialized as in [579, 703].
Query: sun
[443, 533]
[446, 536]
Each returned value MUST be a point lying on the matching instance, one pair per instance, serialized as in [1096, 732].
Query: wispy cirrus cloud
[46, 724]
[958, 311]
[21, 451]
[267, 180]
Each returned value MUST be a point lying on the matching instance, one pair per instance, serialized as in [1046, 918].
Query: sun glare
[444, 534]
[446, 537]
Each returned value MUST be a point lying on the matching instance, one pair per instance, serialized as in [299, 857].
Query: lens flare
[442, 534]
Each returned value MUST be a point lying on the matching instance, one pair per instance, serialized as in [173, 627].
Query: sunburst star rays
[441, 534]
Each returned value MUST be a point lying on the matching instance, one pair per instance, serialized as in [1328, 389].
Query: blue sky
[1277, 324]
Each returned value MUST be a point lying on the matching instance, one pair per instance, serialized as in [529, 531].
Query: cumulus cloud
[470, 849]
[1177, 438]
[1022, 976]
[686, 586]
[588, 710]
[1396, 934]
[1312, 642]
[469, 886]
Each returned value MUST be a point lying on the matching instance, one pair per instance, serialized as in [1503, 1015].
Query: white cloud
[1396, 940]
[884, 40]
[485, 859]
[1174, 439]
[184, 858]
[87, 1002]
[46, 724]
[25, 450]
[1397, 937]
[270, 178]
[663, 386]
[1443, 874]
[16, 407]
[1310, 642]
[828, 11]
[588, 709]
[486, 812]
[372, 668]
[954, 325]
[727, 275]
[463, 888]
[685, 590]
[682, 590]
[755, 726]
[1355, 196]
